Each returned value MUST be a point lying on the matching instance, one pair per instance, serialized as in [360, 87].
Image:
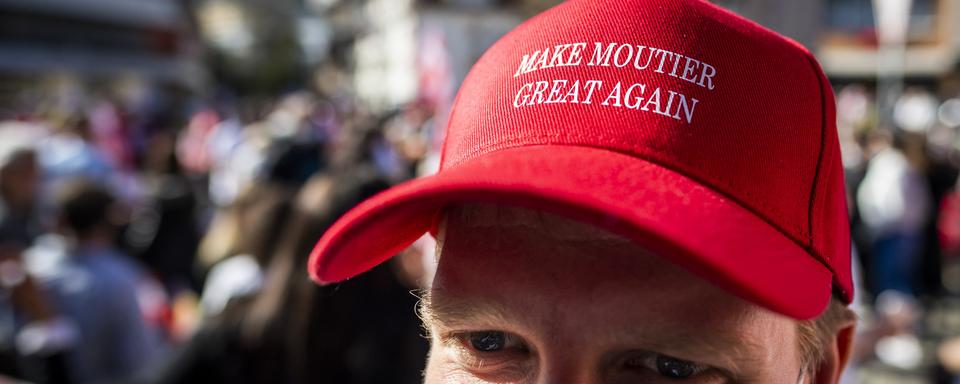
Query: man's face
[522, 297]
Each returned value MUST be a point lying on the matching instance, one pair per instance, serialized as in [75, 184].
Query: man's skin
[555, 301]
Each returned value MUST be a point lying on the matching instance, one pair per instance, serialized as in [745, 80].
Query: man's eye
[487, 341]
[675, 368]
[666, 366]
[492, 341]
[496, 356]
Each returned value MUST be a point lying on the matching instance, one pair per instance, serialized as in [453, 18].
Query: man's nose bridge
[569, 371]
[561, 379]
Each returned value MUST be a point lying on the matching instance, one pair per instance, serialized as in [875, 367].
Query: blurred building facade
[392, 51]
[435, 40]
[842, 33]
[97, 39]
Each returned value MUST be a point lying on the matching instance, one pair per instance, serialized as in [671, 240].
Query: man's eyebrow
[732, 351]
[450, 311]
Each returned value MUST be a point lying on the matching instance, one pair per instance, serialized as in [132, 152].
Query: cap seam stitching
[816, 174]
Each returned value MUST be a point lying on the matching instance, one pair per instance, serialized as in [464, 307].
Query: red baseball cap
[700, 135]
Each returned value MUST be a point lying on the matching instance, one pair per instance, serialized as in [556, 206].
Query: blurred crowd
[141, 247]
[169, 244]
[901, 173]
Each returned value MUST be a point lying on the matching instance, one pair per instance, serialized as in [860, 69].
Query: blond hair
[816, 335]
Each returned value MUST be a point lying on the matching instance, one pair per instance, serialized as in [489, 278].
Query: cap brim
[668, 213]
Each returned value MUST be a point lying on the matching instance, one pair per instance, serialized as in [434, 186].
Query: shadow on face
[526, 297]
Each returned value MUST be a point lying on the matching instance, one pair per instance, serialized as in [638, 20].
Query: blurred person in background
[290, 330]
[252, 226]
[896, 211]
[34, 339]
[70, 153]
[164, 231]
[235, 147]
[19, 181]
[894, 204]
[941, 175]
[100, 290]
[404, 142]
[245, 234]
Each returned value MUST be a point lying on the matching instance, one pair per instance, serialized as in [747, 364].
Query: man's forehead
[500, 243]
[500, 238]
[508, 252]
